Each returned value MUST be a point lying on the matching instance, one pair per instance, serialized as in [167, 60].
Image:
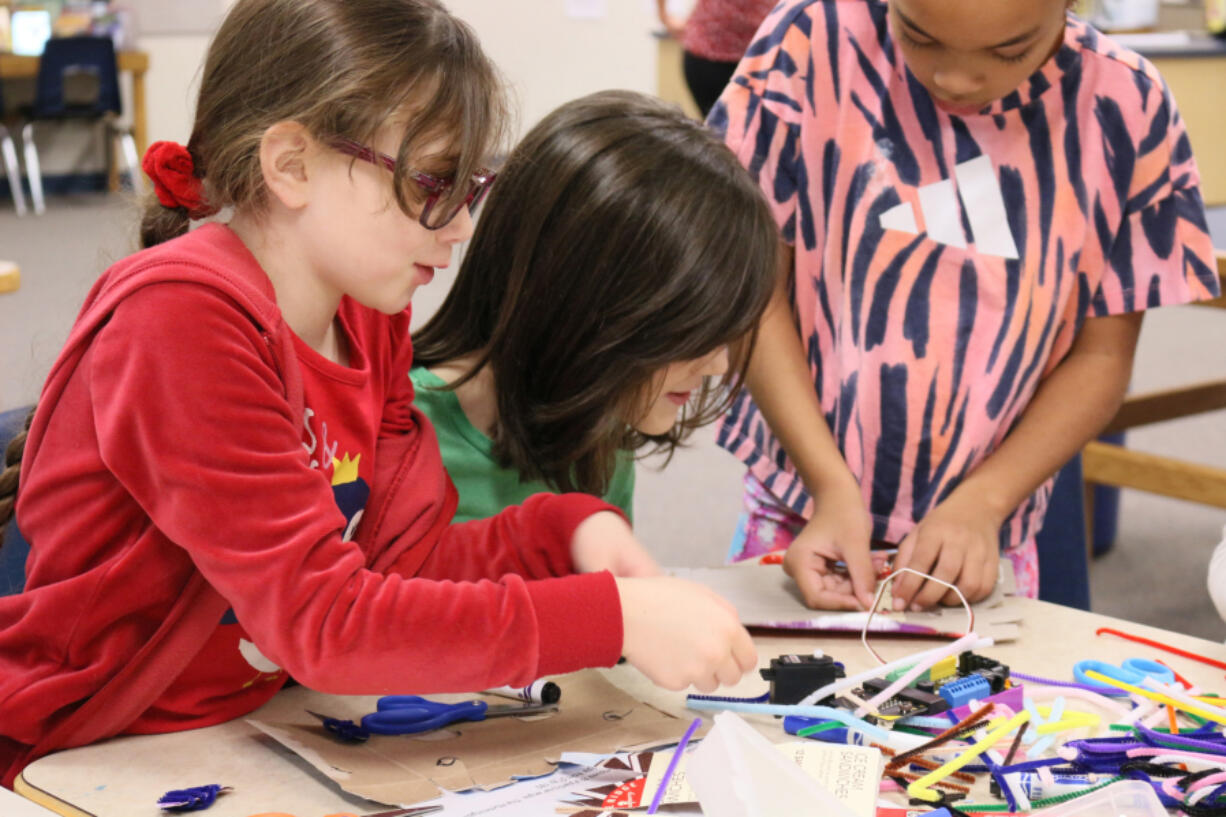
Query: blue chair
[15, 548]
[78, 78]
[1064, 567]
[9, 152]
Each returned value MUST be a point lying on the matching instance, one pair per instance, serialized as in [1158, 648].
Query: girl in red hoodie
[226, 483]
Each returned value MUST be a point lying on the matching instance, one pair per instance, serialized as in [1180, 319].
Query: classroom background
[552, 51]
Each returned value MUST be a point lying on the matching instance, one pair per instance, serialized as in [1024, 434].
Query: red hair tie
[173, 173]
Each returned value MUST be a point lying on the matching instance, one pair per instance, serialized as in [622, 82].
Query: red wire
[1159, 645]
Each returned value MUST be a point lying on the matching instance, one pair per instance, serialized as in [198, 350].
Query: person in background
[713, 39]
[979, 201]
[605, 304]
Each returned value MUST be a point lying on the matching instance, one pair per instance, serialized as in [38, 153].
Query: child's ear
[285, 151]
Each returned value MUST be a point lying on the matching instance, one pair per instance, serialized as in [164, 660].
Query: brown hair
[10, 475]
[341, 69]
[620, 237]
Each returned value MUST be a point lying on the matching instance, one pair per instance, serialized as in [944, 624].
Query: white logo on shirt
[982, 201]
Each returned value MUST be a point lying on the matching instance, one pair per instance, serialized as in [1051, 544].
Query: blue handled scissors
[1130, 671]
[411, 714]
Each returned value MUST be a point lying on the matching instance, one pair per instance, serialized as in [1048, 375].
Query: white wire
[886, 582]
[911, 674]
[854, 680]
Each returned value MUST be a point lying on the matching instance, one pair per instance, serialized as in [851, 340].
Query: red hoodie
[165, 481]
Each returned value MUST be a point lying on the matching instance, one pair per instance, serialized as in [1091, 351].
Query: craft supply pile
[948, 730]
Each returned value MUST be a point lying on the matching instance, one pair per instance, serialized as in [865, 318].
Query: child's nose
[957, 82]
[459, 229]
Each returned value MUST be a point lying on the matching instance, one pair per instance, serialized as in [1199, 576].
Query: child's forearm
[782, 387]
[1070, 407]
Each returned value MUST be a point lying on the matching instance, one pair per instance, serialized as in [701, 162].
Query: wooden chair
[1105, 464]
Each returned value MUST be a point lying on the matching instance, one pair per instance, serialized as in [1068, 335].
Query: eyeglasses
[436, 188]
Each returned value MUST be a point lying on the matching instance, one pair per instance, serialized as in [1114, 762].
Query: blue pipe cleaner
[757, 699]
[1202, 743]
[196, 798]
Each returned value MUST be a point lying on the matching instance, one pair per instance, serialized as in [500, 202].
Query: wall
[546, 56]
[550, 58]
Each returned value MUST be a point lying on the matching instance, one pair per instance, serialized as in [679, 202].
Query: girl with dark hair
[605, 305]
[226, 483]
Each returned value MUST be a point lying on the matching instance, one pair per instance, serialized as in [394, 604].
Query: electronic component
[792, 677]
[990, 669]
[906, 701]
[962, 691]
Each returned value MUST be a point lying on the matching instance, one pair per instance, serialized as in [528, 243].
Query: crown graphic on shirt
[345, 470]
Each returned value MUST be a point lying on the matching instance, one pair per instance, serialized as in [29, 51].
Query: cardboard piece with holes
[765, 597]
[594, 716]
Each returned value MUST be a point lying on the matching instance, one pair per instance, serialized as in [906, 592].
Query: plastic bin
[1128, 798]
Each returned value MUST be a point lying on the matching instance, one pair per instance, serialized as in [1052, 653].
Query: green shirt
[484, 486]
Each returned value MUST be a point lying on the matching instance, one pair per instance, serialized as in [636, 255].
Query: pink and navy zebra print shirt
[944, 263]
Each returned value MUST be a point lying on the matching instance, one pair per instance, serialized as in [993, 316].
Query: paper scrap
[850, 773]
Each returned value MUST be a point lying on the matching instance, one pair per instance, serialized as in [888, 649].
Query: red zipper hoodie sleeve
[192, 419]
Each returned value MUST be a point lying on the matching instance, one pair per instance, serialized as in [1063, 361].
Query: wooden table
[10, 277]
[124, 776]
[14, 66]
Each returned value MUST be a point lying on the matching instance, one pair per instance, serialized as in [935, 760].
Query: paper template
[766, 597]
[594, 716]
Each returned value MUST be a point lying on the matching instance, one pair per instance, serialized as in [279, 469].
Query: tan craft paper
[594, 716]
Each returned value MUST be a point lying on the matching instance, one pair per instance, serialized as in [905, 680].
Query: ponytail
[178, 193]
[10, 476]
[161, 223]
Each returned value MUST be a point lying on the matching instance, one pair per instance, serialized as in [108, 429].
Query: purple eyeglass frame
[434, 186]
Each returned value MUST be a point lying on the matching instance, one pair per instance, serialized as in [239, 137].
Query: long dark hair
[620, 237]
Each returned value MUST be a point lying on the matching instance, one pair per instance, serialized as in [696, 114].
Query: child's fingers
[988, 568]
[863, 574]
[906, 585]
[831, 600]
[950, 562]
[744, 652]
[825, 591]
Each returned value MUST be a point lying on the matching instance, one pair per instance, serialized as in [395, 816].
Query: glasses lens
[438, 213]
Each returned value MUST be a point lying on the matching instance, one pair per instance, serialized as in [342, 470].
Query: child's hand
[679, 633]
[957, 542]
[604, 541]
[840, 530]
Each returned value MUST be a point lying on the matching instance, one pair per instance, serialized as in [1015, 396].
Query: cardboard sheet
[594, 716]
[767, 598]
